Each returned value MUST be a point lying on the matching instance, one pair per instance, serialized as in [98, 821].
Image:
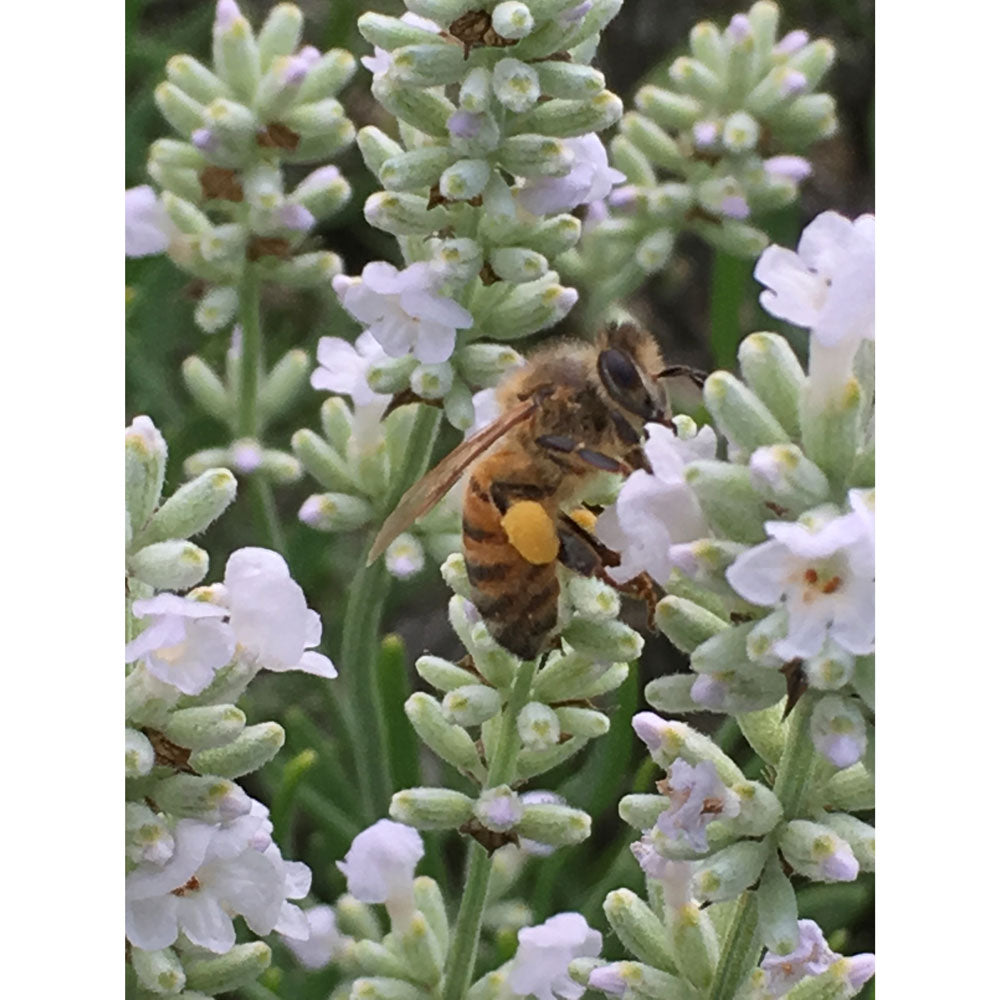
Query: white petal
[438, 308]
[205, 922]
[382, 278]
[825, 240]
[151, 924]
[759, 575]
[148, 228]
[795, 293]
[316, 663]
[292, 923]
[396, 332]
[191, 841]
[435, 342]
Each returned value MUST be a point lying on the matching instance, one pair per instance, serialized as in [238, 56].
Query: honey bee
[574, 409]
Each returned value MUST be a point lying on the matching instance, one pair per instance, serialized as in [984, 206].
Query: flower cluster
[718, 149]
[498, 113]
[223, 214]
[198, 849]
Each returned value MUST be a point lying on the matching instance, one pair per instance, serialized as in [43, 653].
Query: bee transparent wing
[424, 494]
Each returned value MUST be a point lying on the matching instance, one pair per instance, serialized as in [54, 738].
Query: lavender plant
[757, 527]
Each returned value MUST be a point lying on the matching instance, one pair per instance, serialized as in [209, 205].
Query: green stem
[360, 643]
[465, 941]
[742, 946]
[266, 513]
[730, 276]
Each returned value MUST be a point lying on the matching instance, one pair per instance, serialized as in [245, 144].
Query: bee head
[631, 388]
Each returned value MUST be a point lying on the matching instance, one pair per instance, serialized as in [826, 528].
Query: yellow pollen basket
[531, 531]
[586, 519]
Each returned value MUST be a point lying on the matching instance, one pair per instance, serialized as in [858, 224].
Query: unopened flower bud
[306, 270]
[815, 851]
[250, 751]
[230, 123]
[529, 307]
[838, 730]
[324, 192]
[192, 508]
[672, 694]
[328, 75]
[428, 64]
[554, 236]
[554, 824]
[604, 640]
[415, 168]
[532, 762]
[686, 624]
[235, 55]
[666, 741]
[382, 988]
[139, 755]
[830, 669]
[730, 871]
[204, 797]
[765, 731]
[278, 466]
[772, 371]
[859, 835]
[695, 945]
[570, 676]
[777, 909]
[358, 919]
[182, 112]
[787, 479]
[423, 109]
[402, 214]
[499, 809]
[638, 928]
[431, 808]
[418, 946]
[668, 109]
[323, 463]
[728, 500]
[740, 133]
[471, 704]
[240, 965]
[538, 726]
[518, 265]
[204, 726]
[170, 565]
[281, 33]
[743, 418]
[159, 971]
[432, 381]
[593, 598]
[450, 742]
[515, 84]
[145, 465]
[565, 119]
[693, 77]
[512, 19]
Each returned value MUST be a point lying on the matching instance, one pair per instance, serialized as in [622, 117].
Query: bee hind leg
[570, 446]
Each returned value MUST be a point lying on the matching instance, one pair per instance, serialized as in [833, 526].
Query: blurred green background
[699, 310]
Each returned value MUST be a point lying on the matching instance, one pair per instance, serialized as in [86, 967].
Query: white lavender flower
[541, 963]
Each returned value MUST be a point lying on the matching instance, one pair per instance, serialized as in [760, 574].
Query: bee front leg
[569, 446]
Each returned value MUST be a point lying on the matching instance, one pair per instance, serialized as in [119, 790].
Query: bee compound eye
[623, 383]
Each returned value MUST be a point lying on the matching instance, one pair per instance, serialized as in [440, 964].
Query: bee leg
[569, 446]
[674, 371]
[643, 588]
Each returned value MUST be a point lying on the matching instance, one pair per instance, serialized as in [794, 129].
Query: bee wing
[424, 494]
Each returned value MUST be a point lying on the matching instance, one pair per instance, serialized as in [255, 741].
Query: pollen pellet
[531, 531]
[586, 519]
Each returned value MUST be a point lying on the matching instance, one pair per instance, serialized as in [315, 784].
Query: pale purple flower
[404, 557]
[466, 124]
[381, 863]
[539, 797]
[577, 13]
[792, 42]
[403, 310]
[590, 179]
[828, 284]
[792, 82]
[293, 216]
[697, 798]
[734, 206]
[674, 876]
[788, 167]
[486, 410]
[738, 28]
[184, 643]
[246, 455]
[205, 139]
[324, 942]
[344, 367]
[705, 133]
[499, 809]
[810, 957]
[838, 730]
[608, 979]
[656, 511]
[226, 12]
[380, 61]
[148, 229]
[860, 968]
[541, 963]
[201, 887]
[268, 613]
[823, 573]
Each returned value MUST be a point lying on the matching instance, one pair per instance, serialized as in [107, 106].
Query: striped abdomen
[517, 599]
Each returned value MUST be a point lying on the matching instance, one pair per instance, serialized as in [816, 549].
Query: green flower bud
[515, 84]
[604, 640]
[486, 364]
[672, 694]
[336, 512]
[533, 762]
[455, 576]
[420, 950]
[693, 77]
[443, 674]
[471, 704]
[183, 113]
[459, 409]
[374, 472]
[859, 835]
[652, 141]
[391, 33]
[278, 90]
[739, 70]
[814, 850]
[375, 959]
[737, 238]
[638, 928]
[572, 676]
[403, 214]
[629, 159]
[708, 46]
[382, 988]
[431, 808]
[512, 19]
[787, 479]
[668, 109]
[832, 668]
[814, 60]
[217, 308]
[772, 371]
[195, 795]
[831, 427]
[686, 624]
[278, 466]
[465, 179]
[416, 168]
[185, 216]
[641, 810]
[196, 80]
[139, 755]
[171, 153]
[569, 80]
[808, 119]
[317, 119]
[430, 902]
[192, 508]
[517, 265]
[554, 824]
[376, 148]
[204, 726]
[654, 250]
[777, 909]
[538, 726]
[337, 422]
[283, 383]
[724, 651]
[528, 307]
[763, 17]
[587, 722]
[306, 270]
[391, 375]
[450, 742]
[432, 381]
[145, 465]
[766, 732]
[694, 945]
[593, 598]
[425, 110]
[428, 64]
[742, 417]
[324, 192]
[323, 463]
[357, 919]
[740, 133]
[667, 741]
[233, 122]
[328, 75]
[240, 965]
[159, 971]
[728, 500]
[281, 33]
[565, 119]
[250, 751]
[760, 810]
[553, 236]
[730, 871]
[171, 565]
